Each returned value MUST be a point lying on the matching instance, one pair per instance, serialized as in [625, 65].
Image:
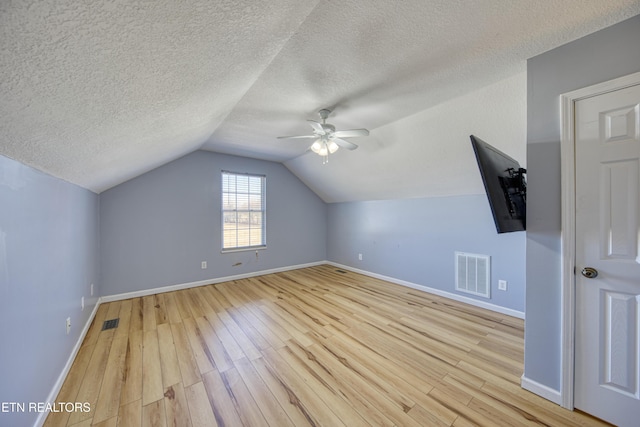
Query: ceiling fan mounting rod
[324, 113]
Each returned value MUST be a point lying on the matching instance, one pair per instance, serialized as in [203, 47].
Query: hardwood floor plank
[435, 415]
[182, 302]
[132, 370]
[153, 414]
[348, 402]
[186, 360]
[113, 310]
[305, 302]
[125, 319]
[85, 423]
[389, 386]
[216, 350]
[152, 389]
[463, 411]
[201, 352]
[160, 309]
[198, 309]
[265, 400]
[289, 328]
[215, 300]
[549, 412]
[302, 394]
[268, 329]
[71, 386]
[176, 406]
[385, 344]
[90, 388]
[148, 313]
[377, 394]
[168, 357]
[229, 343]
[96, 326]
[258, 341]
[282, 393]
[304, 347]
[137, 313]
[220, 297]
[246, 345]
[242, 399]
[130, 414]
[171, 305]
[296, 315]
[220, 401]
[111, 422]
[108, 401]
[414, 386]
[199, 407]
[266, 326]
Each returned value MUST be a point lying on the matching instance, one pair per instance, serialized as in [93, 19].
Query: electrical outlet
[203, 265]
[82, 303]
[360, 257]
[68, 325]
[92, 289]
[502, 285]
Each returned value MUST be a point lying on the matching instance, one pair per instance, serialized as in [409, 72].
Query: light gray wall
[415, 240]
[48, 258]
[157, 228]
[607, 54]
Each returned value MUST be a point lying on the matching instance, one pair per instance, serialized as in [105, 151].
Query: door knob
[590, 272]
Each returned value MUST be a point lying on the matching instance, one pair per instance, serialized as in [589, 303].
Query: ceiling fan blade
[351, 133]
[317, 127]
[298, 137]
[345, 144]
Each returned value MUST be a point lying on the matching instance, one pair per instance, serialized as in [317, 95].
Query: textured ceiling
[99, 92]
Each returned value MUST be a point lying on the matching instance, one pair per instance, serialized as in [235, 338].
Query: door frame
[568, 238]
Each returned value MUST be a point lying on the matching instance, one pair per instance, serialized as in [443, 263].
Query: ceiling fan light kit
[328, 139]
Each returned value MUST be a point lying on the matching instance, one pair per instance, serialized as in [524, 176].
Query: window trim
[263, 245]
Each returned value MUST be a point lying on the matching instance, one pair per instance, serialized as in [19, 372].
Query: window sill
[246, 249]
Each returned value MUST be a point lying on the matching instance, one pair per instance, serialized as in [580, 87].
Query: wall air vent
[473, 274]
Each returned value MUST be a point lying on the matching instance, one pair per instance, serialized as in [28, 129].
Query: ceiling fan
[327, 138]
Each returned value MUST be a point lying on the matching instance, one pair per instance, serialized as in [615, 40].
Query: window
[243, 211]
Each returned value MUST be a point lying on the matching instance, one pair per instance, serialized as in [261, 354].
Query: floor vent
[473, 274]
[341, 271]
[110, 324]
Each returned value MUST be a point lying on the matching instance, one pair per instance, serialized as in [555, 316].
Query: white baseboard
[170, 288]
[450, 295]
[67, 367]
[541, 390]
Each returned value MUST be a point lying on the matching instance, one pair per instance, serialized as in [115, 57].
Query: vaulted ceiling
[99, 92]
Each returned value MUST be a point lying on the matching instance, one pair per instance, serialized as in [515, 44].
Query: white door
[607, 348]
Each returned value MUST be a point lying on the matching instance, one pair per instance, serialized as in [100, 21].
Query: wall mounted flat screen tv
[505, 184]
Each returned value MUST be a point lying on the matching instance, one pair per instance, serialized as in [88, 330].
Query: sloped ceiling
[99, 92]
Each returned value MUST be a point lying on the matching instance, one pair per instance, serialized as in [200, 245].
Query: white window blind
[243, 211]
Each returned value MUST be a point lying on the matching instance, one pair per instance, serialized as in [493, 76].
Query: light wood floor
[304, 347]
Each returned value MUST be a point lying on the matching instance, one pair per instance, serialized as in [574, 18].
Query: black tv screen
[505, 185]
